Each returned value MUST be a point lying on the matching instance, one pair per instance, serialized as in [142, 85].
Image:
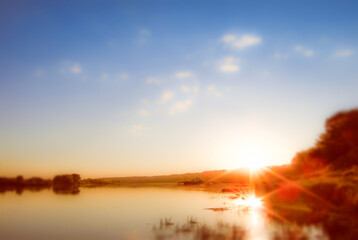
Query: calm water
[132, 213]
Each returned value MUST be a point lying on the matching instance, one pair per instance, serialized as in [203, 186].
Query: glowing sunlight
[252, 154]
[251, 202]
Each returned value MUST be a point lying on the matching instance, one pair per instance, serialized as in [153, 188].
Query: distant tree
[66, 184]
[67, 180]
[19, 179]
[338, 146]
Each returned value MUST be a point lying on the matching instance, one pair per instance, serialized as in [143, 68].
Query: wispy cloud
[213, 91]
[144, 35]
[179, 107]
[71, 67]
[135, 129]
[123, 76]
[167, 95]
[39, 72]
[308, 53]
[231, 59]
[188, 89]
[228, 67]
[144, 32]
[230, 64]
[304, 51]
[298, 48]
[76, 68]
[152, 80]
[344, 53]
[138, 127]
[228, 38]
[143, 113]
[241, 42]
[183, 74]
[277, 55]
[104, 77]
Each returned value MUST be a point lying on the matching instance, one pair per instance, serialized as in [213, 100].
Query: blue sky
[153, 87]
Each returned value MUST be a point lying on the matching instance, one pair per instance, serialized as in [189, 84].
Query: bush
[337, 147]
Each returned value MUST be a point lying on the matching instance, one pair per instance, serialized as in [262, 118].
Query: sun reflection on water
[251, 202]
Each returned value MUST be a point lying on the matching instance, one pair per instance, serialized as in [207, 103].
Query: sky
[121, 88]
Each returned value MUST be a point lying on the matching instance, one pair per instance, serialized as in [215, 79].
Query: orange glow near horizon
[254, 152]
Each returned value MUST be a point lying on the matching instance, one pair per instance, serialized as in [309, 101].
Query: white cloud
[188, 89]
[298, 48]
[76, 68]
[278, 55]
[180, 107]
[104, 76]
[308, 53]
[344, 53]
[241, 42]
[305, 52]
[231, 59]
[138, 128]
[183, 74]
[142, 112]
[144, 34]
[229, 64]
[229, 68]
[123, 76]
[167, 95]
[39, 72]
[151, 80]
[228, 38]
[213, 91]
[68, 66]
[246, 41]
[185, 89]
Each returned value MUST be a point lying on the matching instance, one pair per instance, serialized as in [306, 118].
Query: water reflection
[197, 231]
[154, 213]
[256, 229]
[19, 190]
[249, 202]
[73, 190]
[334, 225]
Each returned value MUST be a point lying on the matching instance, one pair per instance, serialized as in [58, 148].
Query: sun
[253, 154]
[253, 159]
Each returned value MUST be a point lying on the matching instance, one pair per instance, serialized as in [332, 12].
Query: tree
[338, 146]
